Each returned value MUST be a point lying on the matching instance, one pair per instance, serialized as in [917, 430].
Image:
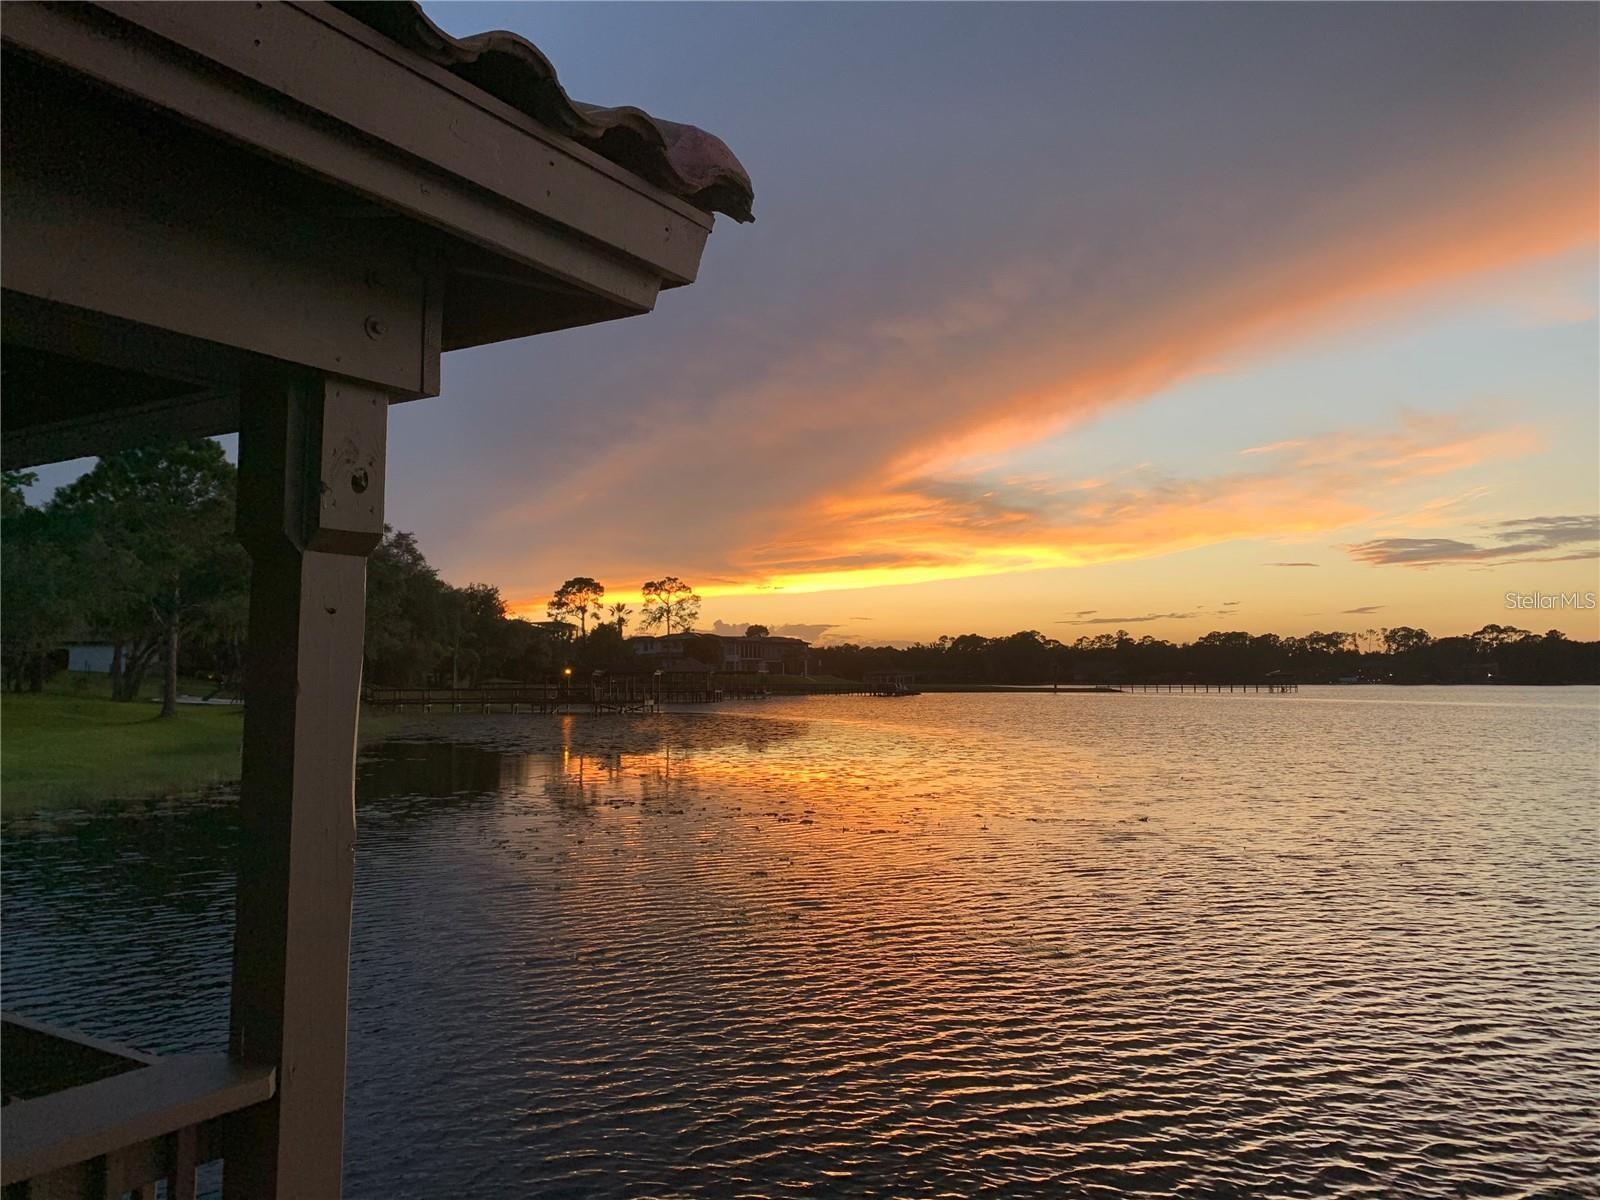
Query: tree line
[1402, 654]
[139, 553]
[423, 631]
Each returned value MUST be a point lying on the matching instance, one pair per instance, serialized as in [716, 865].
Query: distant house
[93, 657]
[745, 655]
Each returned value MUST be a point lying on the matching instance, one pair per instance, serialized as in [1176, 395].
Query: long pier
[1263, 685]
[628, 694]
[615, 693]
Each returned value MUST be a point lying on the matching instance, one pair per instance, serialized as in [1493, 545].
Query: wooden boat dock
[615, 694]
[888, 683]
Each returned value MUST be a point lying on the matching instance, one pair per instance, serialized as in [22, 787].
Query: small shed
[272, 219]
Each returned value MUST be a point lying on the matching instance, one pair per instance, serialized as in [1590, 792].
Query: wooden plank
[502, 223]
[139, 219]
[136, 1168]
[311, 456]
[196, 414]
[185, 1162]
[73, 1126]
[335, 65]
[82, 395]
[85, 1179]
[43, 1029]
[129, 345]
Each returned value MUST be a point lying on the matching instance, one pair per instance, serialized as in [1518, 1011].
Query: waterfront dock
[1259, 685]
[624, 694]
[611, 693]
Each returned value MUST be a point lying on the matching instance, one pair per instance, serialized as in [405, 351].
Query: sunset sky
[1068, 318]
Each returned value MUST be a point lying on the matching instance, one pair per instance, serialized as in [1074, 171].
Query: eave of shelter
[190, 188]
[681, 159]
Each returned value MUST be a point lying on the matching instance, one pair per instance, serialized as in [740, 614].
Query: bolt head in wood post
[312, 469]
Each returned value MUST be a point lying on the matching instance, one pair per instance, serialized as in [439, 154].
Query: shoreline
[64, 749]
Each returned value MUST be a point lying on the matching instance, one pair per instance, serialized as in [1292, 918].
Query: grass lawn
[69, 745]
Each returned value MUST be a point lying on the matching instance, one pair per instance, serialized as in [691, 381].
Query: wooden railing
[85, 1118]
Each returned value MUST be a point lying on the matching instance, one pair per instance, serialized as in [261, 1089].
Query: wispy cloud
[1290, 564]
[1140, 620]
[1364, 610]
[1275, 447]
[1527, 539]
[806, 632]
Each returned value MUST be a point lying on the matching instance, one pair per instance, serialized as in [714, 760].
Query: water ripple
[1341, 944]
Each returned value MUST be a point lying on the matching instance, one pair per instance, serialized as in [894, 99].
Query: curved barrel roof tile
[681, 159]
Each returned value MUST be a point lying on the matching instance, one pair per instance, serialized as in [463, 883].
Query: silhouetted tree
[577, 595]
[1407, 655]
[406, 620]
[1493, 637]
[13, 491]
[619, 617]
[669, 601]
[605, 650]
[1403, 639]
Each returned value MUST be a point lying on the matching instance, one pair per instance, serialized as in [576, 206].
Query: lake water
[1340, 943]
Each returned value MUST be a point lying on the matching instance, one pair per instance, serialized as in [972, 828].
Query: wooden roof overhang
[190, 188]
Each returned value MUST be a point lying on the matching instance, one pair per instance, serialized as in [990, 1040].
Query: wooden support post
[311, 472]
[185, 1161]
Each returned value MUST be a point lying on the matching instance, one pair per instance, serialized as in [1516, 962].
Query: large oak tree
[155, 524]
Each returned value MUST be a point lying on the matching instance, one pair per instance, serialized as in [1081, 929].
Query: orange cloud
[931, 529]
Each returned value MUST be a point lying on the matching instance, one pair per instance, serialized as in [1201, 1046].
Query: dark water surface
[1344, 943]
